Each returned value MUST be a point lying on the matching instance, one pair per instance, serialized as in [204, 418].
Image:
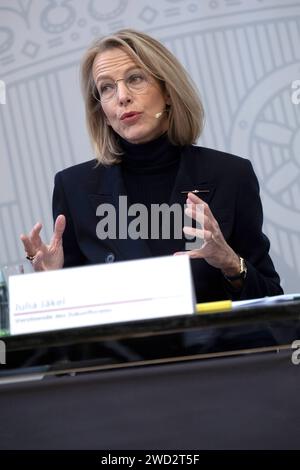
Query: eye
[106, 87]
[136, 78]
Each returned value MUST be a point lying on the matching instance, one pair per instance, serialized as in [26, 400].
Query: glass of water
[11, 270]
[5, 273]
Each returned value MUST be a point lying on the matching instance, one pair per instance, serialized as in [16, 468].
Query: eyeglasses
[135, 82]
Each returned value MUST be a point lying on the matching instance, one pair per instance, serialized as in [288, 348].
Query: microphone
[157, 115]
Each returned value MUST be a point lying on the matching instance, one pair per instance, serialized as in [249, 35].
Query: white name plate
[100, 294]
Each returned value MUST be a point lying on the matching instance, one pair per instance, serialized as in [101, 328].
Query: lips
[132, 114]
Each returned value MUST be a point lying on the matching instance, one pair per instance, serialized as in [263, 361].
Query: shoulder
[80, 169]
[80, 173]
[216, 161]
[217, 157]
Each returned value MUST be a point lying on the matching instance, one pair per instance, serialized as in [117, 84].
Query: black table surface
[215, 381]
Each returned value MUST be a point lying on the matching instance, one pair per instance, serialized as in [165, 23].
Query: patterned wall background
[243, 55]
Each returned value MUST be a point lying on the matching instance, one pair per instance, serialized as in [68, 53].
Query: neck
[152, 157]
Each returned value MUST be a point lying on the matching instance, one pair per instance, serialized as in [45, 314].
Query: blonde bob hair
[185, 113]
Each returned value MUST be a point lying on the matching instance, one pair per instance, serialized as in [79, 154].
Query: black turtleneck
[149, 172]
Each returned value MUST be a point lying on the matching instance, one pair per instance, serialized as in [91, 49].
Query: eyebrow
[106, 76]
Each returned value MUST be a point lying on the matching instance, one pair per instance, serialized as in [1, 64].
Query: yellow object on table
[214, 307]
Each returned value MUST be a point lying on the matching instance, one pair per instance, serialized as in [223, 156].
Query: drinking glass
[5, 273]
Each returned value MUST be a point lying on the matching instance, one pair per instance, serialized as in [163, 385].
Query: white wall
[243, 55]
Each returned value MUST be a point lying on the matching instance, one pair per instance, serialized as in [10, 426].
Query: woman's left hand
[215, 250]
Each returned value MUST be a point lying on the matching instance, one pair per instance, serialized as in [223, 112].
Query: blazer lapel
[107, 186]
[191, 178]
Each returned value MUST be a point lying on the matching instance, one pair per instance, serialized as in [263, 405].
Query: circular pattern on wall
[57, 17]
[270, 132]
[105, 11]
[272, 139]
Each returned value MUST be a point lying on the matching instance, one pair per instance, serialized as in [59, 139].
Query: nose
[123, 94]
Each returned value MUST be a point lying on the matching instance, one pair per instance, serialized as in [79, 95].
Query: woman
[143, 115]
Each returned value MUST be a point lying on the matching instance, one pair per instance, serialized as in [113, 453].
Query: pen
[213, 307]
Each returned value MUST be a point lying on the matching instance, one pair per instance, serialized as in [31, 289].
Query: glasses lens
[107, 90]
[137, 81]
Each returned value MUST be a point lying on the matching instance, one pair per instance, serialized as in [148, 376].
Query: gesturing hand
[215, 250]
[45, 257]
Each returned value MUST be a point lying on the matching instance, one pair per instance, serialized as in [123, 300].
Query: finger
[205, 235]
[35, 235]
[193, 213]
[196, 253]
[197, 213]
[191, 253]
[59, 228]
[28, 247]
[36, 227]
[193, 232]
[60, 224]
[195, 202]
[195, 199]
[207, 221]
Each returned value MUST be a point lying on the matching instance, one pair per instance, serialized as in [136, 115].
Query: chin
[136, 137]
[141, 137]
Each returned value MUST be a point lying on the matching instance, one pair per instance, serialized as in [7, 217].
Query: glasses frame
[95, 89]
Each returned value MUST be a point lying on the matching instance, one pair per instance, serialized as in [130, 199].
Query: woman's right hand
[45, 257]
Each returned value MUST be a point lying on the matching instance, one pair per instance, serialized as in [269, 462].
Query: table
[241, 392]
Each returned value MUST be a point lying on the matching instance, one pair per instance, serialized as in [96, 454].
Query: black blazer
[229, 186]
